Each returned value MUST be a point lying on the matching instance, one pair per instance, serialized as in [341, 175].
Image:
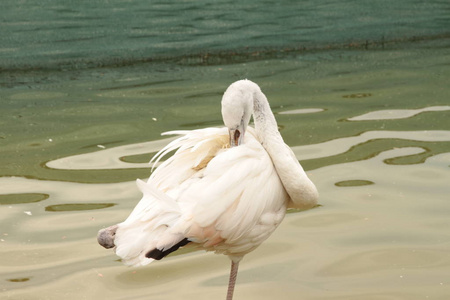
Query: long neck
[300, 188]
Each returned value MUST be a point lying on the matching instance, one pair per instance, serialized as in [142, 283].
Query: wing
[147, 227]
[231, 199]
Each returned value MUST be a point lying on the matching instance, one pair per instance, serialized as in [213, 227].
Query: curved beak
[236, 137]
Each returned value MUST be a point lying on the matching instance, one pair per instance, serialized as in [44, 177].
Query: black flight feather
[159, 254]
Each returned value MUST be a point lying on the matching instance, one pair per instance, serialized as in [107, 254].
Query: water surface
[369, 124]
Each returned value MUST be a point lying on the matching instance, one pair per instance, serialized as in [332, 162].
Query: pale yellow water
[371, 128]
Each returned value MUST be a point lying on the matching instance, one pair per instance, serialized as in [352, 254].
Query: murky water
[370, 126]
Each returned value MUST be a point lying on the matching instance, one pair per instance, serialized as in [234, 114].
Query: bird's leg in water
[232, 282]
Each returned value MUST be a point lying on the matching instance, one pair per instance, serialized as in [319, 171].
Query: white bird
[224, 190]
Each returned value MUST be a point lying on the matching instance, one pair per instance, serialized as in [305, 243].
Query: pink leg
[232, 282]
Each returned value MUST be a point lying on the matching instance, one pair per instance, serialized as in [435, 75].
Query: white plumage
[227, 200]
[224, 190]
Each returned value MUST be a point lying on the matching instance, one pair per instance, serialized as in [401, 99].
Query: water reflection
[22, 198]
[344, 144]
[109, 158]
[24, 279]
[301, 111]
[396, 113]
[355, 182]
[112, 158]
[78, 206]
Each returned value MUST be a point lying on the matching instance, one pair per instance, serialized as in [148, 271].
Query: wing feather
[236, 190]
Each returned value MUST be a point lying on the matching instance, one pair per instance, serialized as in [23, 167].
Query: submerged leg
[232, 282]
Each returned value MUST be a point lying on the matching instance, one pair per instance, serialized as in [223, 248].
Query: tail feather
[145, 235]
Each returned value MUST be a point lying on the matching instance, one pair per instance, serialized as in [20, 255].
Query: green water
[74, 35]
[369, 123]
[72, 150]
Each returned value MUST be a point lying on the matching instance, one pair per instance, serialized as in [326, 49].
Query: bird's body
[224, 190]
[223, 199]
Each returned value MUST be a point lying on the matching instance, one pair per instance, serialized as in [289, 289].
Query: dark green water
[70, 35]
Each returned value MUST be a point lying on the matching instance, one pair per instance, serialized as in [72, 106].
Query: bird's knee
[105, 237]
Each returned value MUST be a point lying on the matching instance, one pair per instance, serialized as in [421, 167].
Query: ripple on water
[341, 145]
[378, 260]
[392, 114]
[109, 158]
[347, 183]
[77, 206]
[22, 198]
[358, 95]
[23, 279]
[301, 111]
[38, 95]
[326, 220]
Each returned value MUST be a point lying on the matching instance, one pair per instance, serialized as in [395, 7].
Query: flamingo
[224, 190]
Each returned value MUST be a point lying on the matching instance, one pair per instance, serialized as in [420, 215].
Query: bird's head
[237, 108]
